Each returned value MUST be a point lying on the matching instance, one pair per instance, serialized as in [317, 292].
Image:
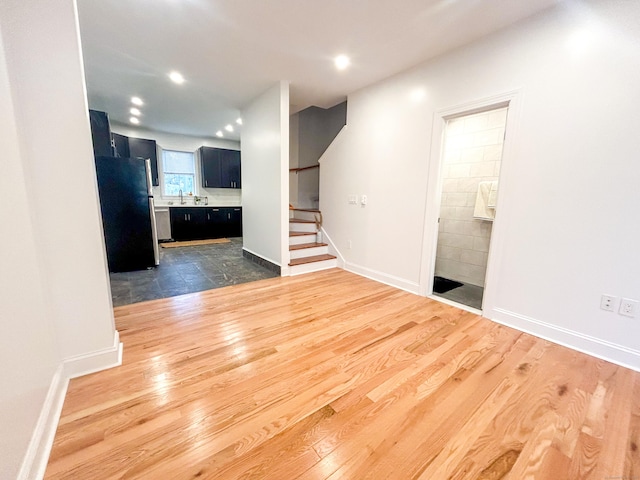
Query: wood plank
[300, 220]
[312, 259]
[302, 246]
[334, 376]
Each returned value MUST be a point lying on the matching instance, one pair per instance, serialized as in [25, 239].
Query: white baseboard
[391, 280]
[95, 361]
[37, 456]
[611, 352]
[333, 250]
[401, 283]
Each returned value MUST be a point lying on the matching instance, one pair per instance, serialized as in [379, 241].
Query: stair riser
[303, 215]
[302, 227]
[299, 240]
[312, 267]
[308, 252]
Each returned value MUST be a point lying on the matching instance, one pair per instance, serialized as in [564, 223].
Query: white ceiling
[230, 51]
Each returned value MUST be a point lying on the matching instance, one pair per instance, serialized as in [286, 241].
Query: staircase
[305, 253]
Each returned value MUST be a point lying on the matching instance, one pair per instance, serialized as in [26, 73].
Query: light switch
[353, 199]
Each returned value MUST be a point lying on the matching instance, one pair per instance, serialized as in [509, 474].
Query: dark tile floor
[467, 294]
[186, 270]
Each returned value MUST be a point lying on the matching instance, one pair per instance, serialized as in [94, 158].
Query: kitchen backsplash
[221, 197]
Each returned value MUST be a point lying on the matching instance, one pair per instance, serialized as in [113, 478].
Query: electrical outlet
[608, 303]
[628, 307]
[363, 200]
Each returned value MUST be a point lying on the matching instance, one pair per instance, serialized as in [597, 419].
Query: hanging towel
[493, 195]
[482, 210]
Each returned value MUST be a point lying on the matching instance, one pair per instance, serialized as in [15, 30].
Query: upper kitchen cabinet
[139, 147]
[230, 168]
[100, 133]
[220, 167]
[210, 167]
[120, 145]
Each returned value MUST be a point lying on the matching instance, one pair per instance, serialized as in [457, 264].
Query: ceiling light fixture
[341, 62]
[134, 120]
[229, 128]
[137, 101]
[134, 111]
[176, 77]
[239, 121]
[219, 133]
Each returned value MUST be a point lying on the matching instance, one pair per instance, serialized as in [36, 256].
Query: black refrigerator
[128, 218]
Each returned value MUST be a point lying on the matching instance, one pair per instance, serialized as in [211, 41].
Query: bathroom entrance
[470, 171]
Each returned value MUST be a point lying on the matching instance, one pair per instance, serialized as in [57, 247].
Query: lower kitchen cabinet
[197, 223]
[234, 222]
[188, 223]
[225, 222]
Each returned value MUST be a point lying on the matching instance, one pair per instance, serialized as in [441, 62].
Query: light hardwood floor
[334, 376]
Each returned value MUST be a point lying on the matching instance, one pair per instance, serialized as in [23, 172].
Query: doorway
[469, 175]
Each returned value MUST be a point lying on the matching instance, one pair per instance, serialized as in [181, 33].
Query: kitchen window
[179, 172]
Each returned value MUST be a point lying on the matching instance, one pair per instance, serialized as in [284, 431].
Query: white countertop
[191, 205]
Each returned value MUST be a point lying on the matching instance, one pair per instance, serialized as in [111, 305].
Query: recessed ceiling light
[239, 121]
[229, 128]
[341, 62]
[134, 111]
[137, 101]
[219, 133]
[176, 77]
[134, 120]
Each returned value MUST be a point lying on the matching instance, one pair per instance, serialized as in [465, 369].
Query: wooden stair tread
[300, 220]
[306, 245]
[304, 210]
[315, 258]
[300, 234]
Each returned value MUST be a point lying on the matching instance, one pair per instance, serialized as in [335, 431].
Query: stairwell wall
[265, 176]
[315, 129]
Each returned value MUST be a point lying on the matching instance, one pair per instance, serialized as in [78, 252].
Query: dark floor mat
[442, 285]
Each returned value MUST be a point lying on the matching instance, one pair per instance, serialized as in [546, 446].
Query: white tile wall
[473, 151]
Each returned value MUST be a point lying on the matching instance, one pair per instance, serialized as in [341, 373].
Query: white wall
[174, 141]
[185, 143]
[265, 176]
[28, 349]
[57, 314]
[567, 223]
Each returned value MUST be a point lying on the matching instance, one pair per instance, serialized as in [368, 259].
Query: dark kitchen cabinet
[210, 167]
[224, 222]
[197, 223]
[234, 222]
[120, 145]
[140, 147]
[220, 168]
[100, 133]
[188, 223]
[230, 168]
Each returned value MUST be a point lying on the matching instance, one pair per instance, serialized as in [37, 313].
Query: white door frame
[513, 100]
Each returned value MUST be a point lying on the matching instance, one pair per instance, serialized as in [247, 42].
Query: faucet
[182, 202]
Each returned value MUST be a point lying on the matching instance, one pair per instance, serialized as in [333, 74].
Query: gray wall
[317, 127]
